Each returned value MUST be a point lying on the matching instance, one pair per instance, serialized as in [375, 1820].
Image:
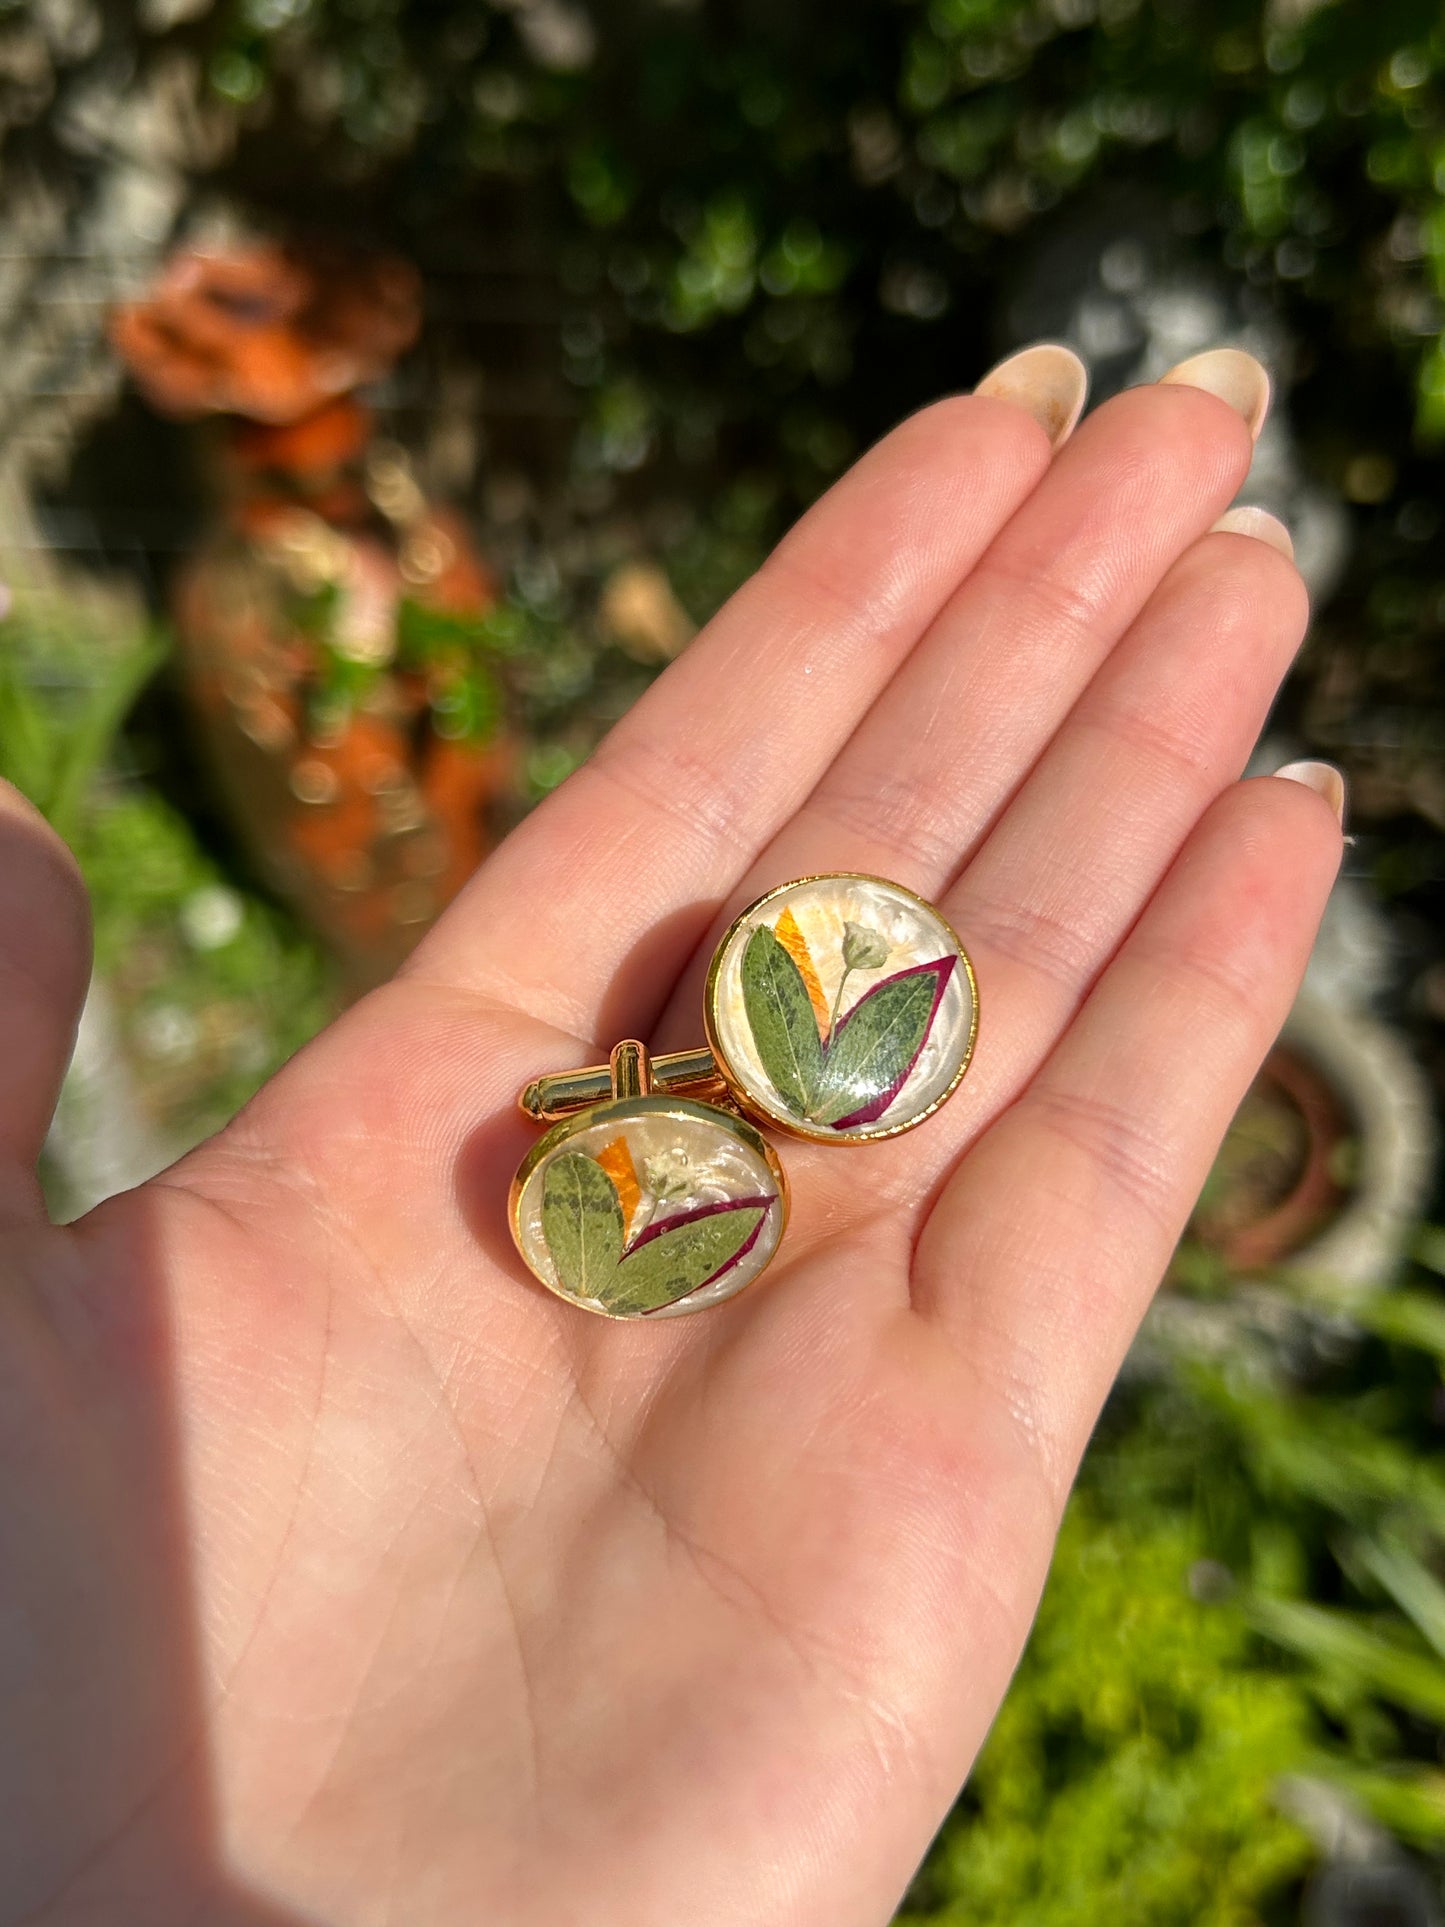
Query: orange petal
[616, 1161]
[791, 938]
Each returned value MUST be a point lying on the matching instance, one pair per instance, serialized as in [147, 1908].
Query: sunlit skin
[348, 1577]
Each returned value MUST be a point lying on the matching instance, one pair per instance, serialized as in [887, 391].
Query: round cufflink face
[841, 1008]
[649, 1207]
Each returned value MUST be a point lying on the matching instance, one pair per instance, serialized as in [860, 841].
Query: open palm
[348, 1577]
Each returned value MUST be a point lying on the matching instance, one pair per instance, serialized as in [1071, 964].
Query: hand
[348, 1577]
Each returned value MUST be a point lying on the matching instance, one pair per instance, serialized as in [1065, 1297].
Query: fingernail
[1048, 382]
[1259, 523]
[1237, 378]
[1323, 778]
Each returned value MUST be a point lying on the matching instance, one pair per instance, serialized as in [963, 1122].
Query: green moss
[1130, 1774]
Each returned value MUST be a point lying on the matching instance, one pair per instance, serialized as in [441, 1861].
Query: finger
[936, 759]
[1047, 381]
[934, 763]
[44, 969]
[1045, 1246]
[1168, 723]
[727, 743]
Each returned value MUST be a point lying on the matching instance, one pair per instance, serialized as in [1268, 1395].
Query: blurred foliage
[755, 236]
[216, 988]
[1131, 1771]
[1323, 1497]
[816, 188]
[1249, 1592]
[53, 745]
[702, 250]
[213, 988]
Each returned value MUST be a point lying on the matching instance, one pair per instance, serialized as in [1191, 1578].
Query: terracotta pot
[1277, 1182]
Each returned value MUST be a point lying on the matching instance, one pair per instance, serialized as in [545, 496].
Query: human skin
[348, 1577]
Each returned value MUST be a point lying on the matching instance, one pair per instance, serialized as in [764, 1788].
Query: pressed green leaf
[666, 1267]
[582, 1224]
[875, 1046]
[780, 1016]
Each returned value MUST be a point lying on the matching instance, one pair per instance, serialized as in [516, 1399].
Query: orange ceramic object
[357, 808]
[265, 332]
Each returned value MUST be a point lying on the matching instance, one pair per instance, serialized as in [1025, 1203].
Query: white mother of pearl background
[914, 933]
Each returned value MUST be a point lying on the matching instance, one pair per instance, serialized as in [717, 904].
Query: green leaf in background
[52, 753]
[1341, 1456]
[582, 1224]
[875, 1046]
[314, 611]
[1357, 1654]
[467, 706]
[668, 1266]
[780, 1016]
[345, 683]
[1406, 1318]
[1408, 1581]
[28, 758]
[1408, 1799]
[425, 634]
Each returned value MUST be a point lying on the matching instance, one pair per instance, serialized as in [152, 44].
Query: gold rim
[630, 1107]
[752, 1106]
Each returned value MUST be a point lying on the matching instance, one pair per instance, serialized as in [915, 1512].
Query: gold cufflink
[648, 1203]
[838, 1008]
[841, 1009]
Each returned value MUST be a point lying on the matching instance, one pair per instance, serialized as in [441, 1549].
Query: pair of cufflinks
[839, 1009]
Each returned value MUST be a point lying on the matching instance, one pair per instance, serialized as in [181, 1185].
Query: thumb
[44, 970]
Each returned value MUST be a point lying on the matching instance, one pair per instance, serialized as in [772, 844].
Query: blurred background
[391, 387]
